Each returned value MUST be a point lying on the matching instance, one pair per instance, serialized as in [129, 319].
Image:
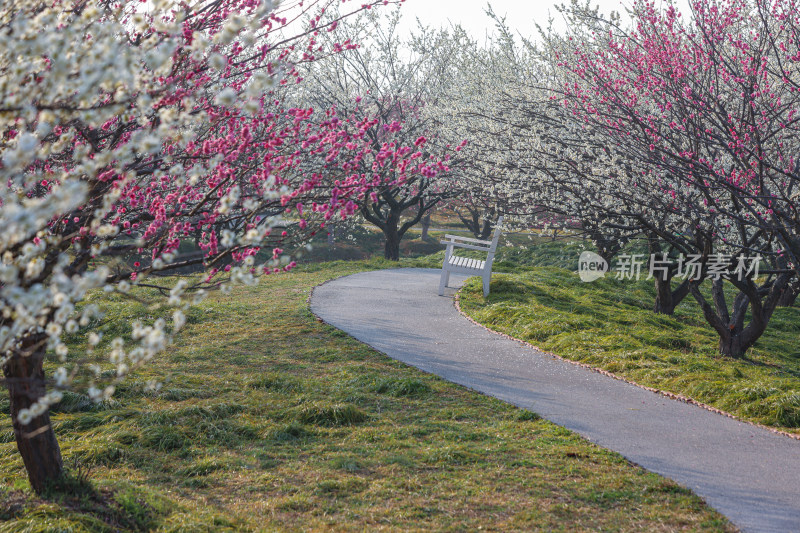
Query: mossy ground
[271, 420]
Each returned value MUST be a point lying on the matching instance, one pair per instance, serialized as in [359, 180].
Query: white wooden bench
[464, 265]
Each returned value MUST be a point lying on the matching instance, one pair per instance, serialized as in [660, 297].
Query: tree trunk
[664, 304]
[788, 296]
[426, 224]
[666, 298]
[386, 214]
[606, 254]
[36, 441]
[606, 247]
[391, 250]
[487, 229]
[734, 345]
[391, 232]
[473, 223]
[735, 338]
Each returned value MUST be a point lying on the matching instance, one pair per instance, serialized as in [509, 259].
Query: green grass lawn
[271, 420]
[609, 324]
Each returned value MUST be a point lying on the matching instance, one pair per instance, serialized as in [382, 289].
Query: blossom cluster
[137, 139]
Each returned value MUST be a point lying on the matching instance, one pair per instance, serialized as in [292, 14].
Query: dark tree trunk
[606, 254]
[606, 247]
[480, 230]
[735, 338]
[789, 295]
[664, 304]
[386, 213]
[735, 345]
[668, 299]
[36, 441]
[486, 231]
[391, 249]
[391, 233]
[426, 225]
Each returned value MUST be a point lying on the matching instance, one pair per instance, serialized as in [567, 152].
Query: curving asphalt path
[747, 473]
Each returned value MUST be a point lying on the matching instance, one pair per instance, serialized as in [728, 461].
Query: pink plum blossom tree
[388, 82]
[142, 138]
[707, 107]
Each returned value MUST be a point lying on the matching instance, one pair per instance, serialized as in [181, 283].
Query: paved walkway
[749, 474]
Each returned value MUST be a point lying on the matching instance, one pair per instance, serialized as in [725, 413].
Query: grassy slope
[269, 419]
[609, 324]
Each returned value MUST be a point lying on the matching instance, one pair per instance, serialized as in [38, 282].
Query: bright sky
[520, 14]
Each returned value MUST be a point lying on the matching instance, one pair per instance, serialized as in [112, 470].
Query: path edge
[660, 392]
[667, 394]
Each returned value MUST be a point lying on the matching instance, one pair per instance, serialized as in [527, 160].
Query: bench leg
[443, 281]
[487, 279]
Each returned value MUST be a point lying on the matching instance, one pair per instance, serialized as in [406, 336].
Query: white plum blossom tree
[389, 81]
